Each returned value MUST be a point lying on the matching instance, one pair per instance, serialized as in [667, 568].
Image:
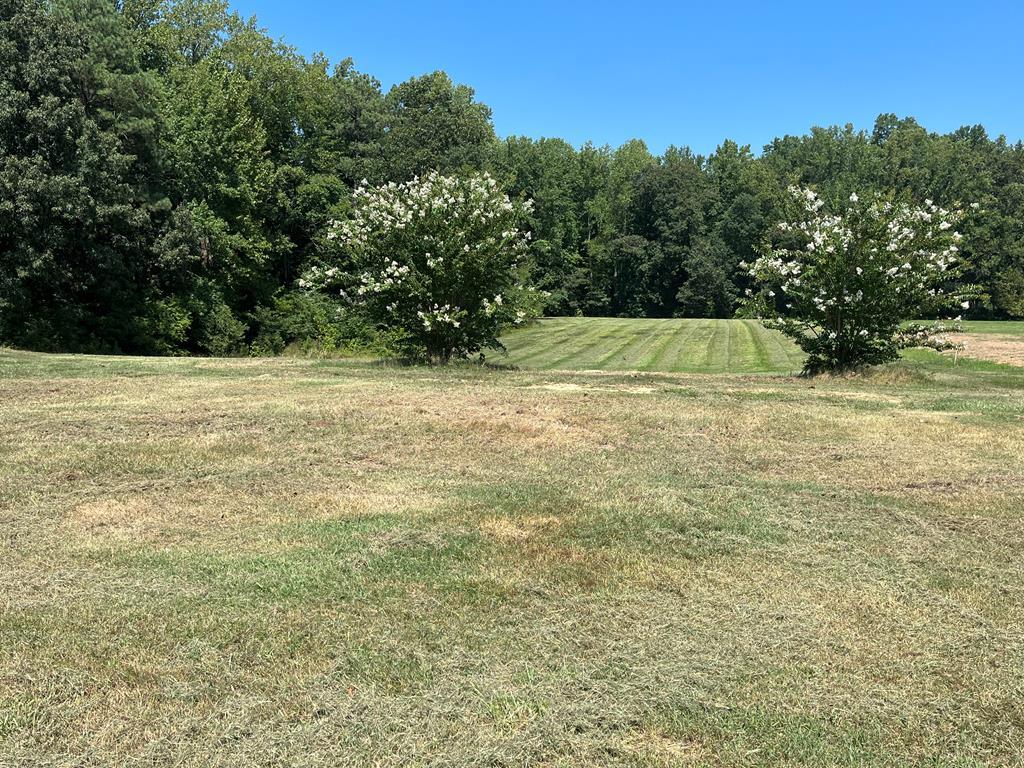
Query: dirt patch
[997, 348]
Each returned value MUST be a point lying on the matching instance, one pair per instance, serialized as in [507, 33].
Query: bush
[843, 285]
[436, 261]
[314, 324]
[1009, 293]
[197, 321]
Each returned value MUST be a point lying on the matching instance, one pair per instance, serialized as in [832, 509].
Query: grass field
[1004, 327]
[313, 563]
[675, 346]
[680, 346]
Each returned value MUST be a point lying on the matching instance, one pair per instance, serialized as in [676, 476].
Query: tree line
[168, 171]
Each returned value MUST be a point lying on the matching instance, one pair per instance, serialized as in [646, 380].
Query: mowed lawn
[671, 345]
[1013, 328]
[300, 563]
[699, 346]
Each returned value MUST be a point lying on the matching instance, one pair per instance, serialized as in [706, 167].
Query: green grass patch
[671, 346]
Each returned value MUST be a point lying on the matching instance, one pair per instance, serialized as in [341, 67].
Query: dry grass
[279, 562]
[998, 348]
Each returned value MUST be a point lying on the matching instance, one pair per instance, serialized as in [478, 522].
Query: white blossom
[852, 279]
[421, 242]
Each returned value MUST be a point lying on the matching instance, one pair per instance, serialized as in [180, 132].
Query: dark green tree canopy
[78, 199]
[168, 170]
[433, 124]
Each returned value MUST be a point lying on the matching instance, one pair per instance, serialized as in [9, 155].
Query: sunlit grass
[672, 345]
[285, 562]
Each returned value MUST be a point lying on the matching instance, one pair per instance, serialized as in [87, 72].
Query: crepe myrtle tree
[843, 285]
[441, 259]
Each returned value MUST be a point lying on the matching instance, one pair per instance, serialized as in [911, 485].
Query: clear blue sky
[686, 73]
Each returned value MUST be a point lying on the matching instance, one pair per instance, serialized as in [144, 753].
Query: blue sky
[686, 73]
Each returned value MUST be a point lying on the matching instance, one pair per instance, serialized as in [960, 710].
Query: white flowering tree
[439, 258]
[844, 285]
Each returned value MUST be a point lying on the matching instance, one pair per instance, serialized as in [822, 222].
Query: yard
[301, 562]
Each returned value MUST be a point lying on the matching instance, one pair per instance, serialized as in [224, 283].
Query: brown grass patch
[574, 387]
[359, 501]
[520, 529]
[996, 348]
[659, 749]
[135, 518]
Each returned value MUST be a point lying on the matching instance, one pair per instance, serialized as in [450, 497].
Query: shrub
[314, 324]
[844, 285]
[1009, 293]
[198, 320]
[437, 260]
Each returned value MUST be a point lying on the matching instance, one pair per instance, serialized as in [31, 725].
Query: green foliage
[434, 125]
[168, 170]
[548, 173]
[1009, 292]
[197, 320]
[313, 324]
[76, 196]
[843, 284]
[708, 290]
[439, 258]
[669, 207]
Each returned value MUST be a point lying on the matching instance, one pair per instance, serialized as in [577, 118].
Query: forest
[169, 170]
